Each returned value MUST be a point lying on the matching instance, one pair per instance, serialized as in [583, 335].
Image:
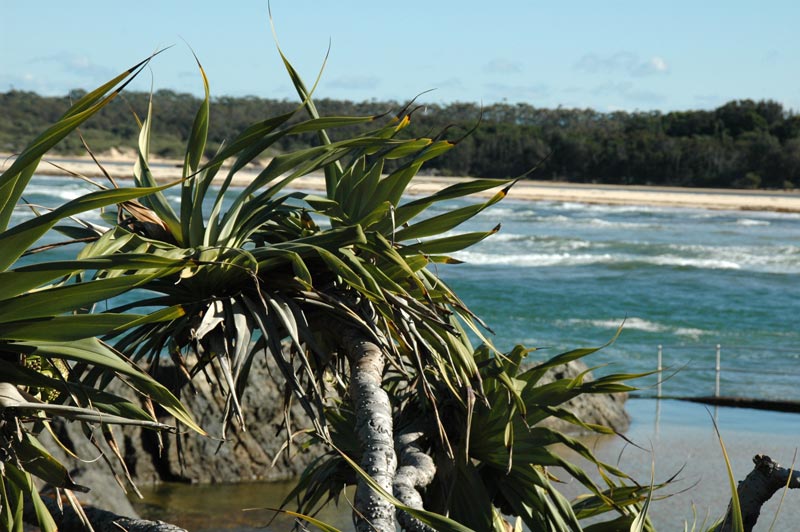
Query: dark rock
[105, 487]
[187, 457]
[245, 455]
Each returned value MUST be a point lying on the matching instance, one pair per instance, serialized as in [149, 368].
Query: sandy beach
[679, 436]
[120, 166]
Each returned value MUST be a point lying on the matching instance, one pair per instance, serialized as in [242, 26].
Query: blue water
[564, 275]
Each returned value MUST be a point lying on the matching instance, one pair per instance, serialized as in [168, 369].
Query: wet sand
[120, 166]
[681, 435]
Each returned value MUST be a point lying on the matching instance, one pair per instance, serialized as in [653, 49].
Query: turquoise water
[564, 275]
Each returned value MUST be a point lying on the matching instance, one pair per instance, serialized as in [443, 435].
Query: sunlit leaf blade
[14, 179]
[16, 240]
[333, 171]
[736, 509]
[640, 522]
[449, 244]
[95, 353]
[54, 301]
[197, 137]
[442, 223]
[143, 177]
[193, 190]
[321, 525]
[75, 327]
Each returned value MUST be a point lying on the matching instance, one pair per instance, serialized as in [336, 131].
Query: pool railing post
[660, 353]
[716, 388]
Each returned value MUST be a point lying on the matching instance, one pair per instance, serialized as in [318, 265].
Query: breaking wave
[567, 253]
[635, 324]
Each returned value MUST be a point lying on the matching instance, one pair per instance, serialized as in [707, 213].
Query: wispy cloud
[80, 65]
[624, 62]
[518, 93]
[31, 82]
[450, 83]
[502, 66]
[772, 57]
[354, 82]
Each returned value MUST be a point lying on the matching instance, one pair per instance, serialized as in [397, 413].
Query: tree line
[742, 144]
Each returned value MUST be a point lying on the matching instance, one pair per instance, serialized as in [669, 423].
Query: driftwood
[758, 487]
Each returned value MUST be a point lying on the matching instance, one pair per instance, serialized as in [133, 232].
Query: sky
[612, 55]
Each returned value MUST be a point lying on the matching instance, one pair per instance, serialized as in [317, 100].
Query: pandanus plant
[340, 289]
[350, 295]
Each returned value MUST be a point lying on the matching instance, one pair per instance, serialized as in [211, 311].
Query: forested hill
[743, 144]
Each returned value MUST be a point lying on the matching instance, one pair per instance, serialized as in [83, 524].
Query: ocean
[559, 275]
[564, 275]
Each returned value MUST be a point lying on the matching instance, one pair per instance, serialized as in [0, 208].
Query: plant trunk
[373, 429]
[416, 471]
[761, 483]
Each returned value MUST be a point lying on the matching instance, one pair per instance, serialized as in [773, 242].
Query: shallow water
[227, 507]
[679, 437]
[680, 434]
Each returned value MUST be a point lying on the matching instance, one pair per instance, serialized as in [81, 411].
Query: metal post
[716, 388]
[660, 353]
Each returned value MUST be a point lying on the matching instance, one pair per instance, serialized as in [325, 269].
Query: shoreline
[669, 436]
[679, 437]
[120, 165]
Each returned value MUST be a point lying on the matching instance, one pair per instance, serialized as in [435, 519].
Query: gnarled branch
[416, 471]
[758, 487]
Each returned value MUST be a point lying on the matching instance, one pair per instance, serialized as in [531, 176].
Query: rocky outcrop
[187, 457]
[245, 455]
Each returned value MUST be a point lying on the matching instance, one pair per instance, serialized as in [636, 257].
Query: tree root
[68, 520]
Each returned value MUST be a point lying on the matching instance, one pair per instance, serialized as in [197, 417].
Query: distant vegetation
[743, 144]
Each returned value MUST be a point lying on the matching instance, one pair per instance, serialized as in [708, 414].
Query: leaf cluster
[226, 274]
[51, 363]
